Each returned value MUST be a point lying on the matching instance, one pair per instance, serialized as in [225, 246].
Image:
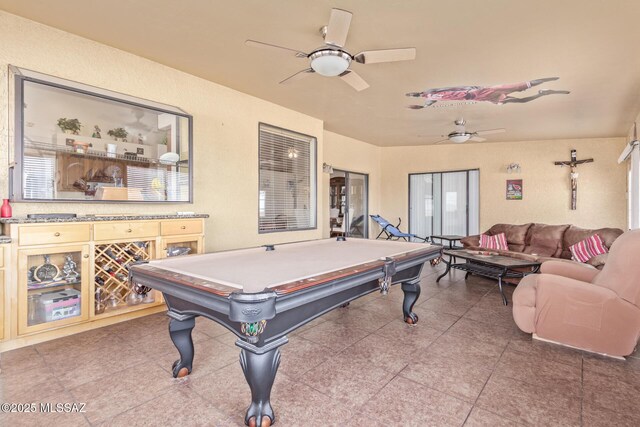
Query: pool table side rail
[324, 278]
[215, 288]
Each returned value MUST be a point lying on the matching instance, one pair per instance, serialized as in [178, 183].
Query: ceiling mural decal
[500, 94]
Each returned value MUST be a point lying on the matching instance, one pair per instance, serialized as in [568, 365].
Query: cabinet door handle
[57, 234]
[184, 227]
[85, 256]
[129, 230]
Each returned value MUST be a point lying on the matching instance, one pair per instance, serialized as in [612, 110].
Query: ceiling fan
[630, 146]
[332, 59]
[138, 124]
[461, 135]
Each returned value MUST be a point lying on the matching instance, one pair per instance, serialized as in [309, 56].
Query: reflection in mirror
[81, 145]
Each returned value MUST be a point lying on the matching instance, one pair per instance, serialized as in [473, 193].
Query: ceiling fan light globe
[460, 138]
[330, 63]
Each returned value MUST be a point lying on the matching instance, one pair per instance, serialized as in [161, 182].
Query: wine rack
[111, 278]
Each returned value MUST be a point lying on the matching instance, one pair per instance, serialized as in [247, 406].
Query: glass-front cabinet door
[52, 287]
[180, 246]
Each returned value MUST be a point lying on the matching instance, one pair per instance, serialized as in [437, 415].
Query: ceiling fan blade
[254, 43]
[477, 139]
[441, 141]
[354, 80]
[489, 131]
[386, 55]
[338, 27]
[298, 75]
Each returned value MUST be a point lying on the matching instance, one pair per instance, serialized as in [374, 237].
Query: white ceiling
[593, 46]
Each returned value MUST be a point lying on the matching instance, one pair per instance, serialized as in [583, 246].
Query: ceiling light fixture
[329, 62]
[459, 138]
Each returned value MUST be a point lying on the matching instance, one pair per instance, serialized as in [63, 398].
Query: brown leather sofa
[543, 242]
[576, 305]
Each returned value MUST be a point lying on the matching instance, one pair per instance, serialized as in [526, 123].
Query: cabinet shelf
[49, 286]
[95, 154]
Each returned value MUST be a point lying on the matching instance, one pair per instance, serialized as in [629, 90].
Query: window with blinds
[287, 174]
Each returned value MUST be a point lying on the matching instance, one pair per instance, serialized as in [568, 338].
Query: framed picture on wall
[514, 189]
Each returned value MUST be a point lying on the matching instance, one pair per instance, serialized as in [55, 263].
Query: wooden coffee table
[489, 264]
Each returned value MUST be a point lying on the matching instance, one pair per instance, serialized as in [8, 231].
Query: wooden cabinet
[53, 234]
[73, 276]
[53, 284]
[3, 310]
[172, 228]
[125, 230]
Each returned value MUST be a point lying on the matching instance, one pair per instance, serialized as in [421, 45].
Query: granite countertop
[5, 239]
[92, 218]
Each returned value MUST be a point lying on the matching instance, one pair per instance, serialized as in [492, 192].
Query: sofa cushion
[575, 234]
[516, 234]
[545, 240]
[470, 241]
[598, 261]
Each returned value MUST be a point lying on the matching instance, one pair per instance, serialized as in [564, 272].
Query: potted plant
[118, 133]
[69, 125]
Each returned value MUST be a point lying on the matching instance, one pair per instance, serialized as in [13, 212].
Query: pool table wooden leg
[180, 332]
[260, 372]
[411, 294]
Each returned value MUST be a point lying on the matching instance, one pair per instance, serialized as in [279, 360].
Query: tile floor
[465, 363]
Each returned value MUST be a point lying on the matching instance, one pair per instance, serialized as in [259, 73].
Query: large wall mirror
[75, 142]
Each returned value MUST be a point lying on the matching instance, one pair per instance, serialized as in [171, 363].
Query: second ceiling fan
[332, 59]
[461, 135]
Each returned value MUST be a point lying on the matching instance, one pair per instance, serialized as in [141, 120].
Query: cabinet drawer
[1, 258]
[190, 226]
[125, 230]
[54, 233]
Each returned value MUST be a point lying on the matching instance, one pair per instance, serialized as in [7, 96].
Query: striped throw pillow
[499, 241]
[586, 249]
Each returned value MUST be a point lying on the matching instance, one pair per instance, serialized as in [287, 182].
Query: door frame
[366, 204]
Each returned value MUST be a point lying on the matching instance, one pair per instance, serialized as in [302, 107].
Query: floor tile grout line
[475, 402]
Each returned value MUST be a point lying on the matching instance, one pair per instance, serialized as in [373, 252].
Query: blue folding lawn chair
[392, 232]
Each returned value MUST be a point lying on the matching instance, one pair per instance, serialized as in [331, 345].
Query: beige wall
[225, 149]
[225, 128]
[547, 194]
[352, 155]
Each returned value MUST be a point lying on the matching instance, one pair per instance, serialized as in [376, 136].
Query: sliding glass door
[442, 203]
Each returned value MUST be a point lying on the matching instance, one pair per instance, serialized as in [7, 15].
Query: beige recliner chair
[577, 305]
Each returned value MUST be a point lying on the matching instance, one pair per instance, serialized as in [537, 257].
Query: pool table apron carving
[262, 319]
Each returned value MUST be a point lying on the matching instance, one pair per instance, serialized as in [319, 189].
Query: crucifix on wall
[573, 164]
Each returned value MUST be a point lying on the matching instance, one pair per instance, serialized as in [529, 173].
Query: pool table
[262, 294]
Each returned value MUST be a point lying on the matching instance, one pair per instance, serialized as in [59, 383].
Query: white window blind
[39, 177]
[287, 174]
